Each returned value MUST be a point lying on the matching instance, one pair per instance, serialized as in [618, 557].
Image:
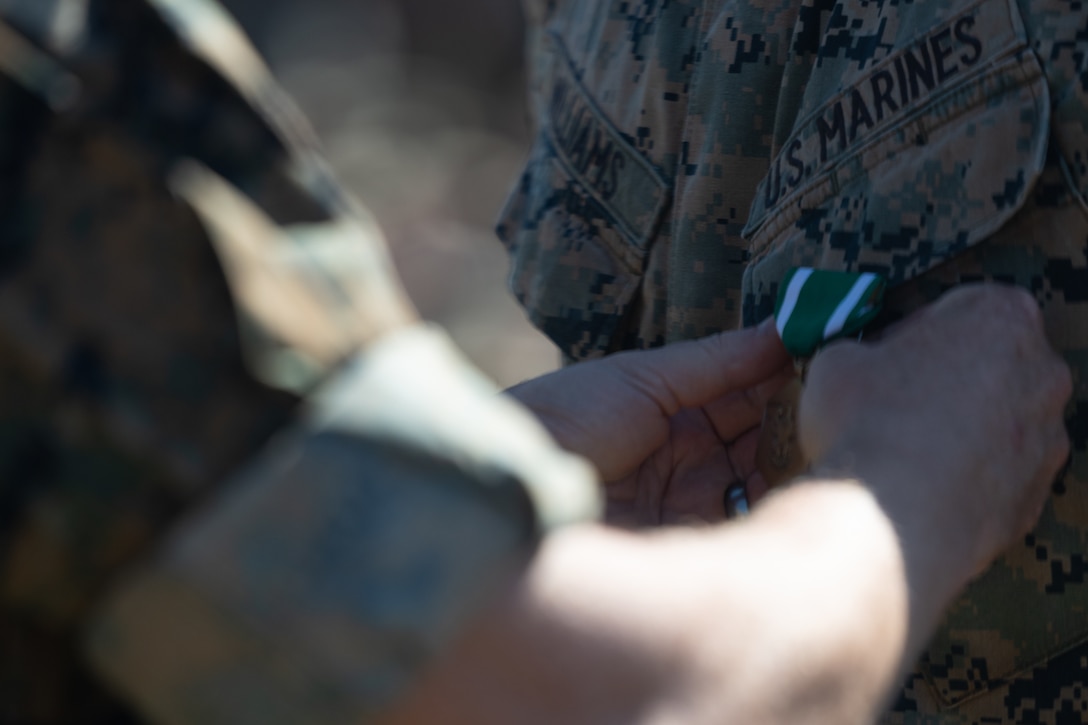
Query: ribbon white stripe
[842, 312]
[789, 302]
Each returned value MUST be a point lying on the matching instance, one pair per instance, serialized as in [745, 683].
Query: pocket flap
[858, 188]
[906, 165]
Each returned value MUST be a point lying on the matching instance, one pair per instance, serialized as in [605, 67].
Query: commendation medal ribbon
[814, 307]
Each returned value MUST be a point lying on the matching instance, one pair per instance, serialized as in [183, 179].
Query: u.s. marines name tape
[912, 77]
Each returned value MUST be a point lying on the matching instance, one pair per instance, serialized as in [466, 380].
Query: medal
[814, 307]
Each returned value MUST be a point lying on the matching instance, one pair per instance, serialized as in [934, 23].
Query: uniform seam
[1002, 680]
[638, 238]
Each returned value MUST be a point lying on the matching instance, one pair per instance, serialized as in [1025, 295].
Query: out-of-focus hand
[969, 392]
[933, 447]
[668, 429]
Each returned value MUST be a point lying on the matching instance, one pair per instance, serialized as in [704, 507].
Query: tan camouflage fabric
[239, 481]
[691, 151]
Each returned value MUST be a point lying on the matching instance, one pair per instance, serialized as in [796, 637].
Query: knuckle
[1055, 456]
[1062, 448]
[1022, 302]
[714, 347]
[1063, 380]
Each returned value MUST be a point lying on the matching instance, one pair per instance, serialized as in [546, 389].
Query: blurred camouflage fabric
[689, 153]
[181, 282]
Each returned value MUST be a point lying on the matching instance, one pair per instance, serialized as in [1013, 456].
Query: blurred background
[421, 108]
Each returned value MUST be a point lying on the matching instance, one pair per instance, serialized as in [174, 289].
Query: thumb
[689, 374]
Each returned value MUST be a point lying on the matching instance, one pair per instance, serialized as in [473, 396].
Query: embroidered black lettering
[598, 156]
[919, 70]
[630, 192]
[941, 45]
[904, 94]
[796, 163]
[578, 148]
[569, 126]
[774, 185]
[873, 104]
[608, 190]
[837, 127]
[962, 26]
[859, 114]
[882, 85]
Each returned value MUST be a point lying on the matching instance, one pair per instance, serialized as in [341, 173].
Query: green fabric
[816, 306]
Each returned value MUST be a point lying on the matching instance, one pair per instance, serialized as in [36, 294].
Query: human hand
[668, 429]
[951, 453]
[966, 399]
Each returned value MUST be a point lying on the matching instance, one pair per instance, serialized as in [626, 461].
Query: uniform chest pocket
[579, 223]
[909, 163]
[927, 152]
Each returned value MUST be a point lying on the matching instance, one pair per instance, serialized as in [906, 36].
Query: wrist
[810, 618]
[936, 543]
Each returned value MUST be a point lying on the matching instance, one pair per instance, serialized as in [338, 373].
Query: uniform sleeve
[336, 565]
[212, 370]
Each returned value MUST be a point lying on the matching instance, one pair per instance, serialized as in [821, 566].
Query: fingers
[973, 382]
[735, 361]
[838, 389]
[742, 454]
[736, 412]
[691, 374]
[699, 498]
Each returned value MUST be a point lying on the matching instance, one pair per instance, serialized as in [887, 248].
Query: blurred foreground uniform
[200, 332]
[690, 153]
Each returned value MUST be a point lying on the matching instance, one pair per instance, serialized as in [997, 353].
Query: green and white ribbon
[816, 306]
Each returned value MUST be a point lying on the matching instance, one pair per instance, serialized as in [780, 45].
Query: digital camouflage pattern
[935, 142]
[201, 334]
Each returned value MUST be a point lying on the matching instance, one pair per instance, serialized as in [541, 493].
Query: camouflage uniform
[182, 282]
[691, 151]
